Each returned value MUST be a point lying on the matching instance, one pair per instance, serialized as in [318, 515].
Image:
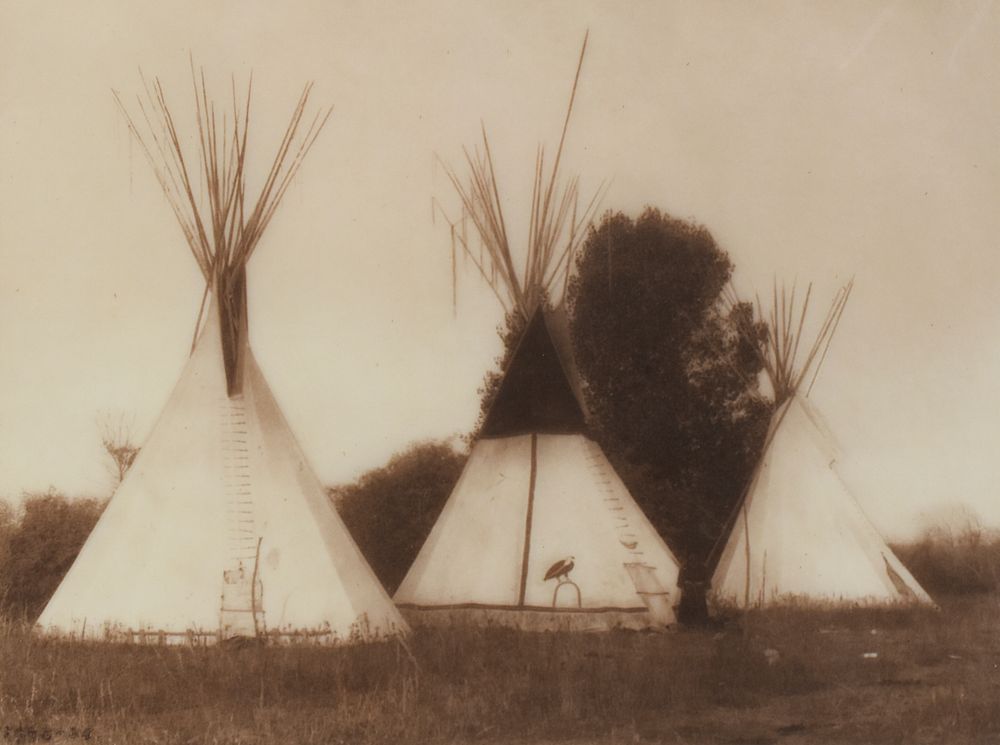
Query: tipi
[539, 533]
[799, 535]
[220, 529]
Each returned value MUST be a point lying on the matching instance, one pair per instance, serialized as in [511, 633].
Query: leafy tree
[42, 547]
[116, 438]
[391, 510]
[670, 383]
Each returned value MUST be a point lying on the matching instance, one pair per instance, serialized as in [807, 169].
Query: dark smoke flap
[231, 289]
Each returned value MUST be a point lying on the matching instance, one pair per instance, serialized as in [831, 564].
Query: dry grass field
[803, 676]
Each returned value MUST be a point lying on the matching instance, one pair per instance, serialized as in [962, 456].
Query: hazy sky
[815, 140]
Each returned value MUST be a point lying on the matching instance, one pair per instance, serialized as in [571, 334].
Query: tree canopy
[670, 380]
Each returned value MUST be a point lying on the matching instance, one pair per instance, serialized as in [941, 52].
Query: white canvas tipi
[539, 533]
[799, 535]
[537, 491]
[220, 529]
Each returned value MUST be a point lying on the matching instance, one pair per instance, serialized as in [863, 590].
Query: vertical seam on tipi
[238, 483]
[623, 528]
[241, 518]
[527, 521]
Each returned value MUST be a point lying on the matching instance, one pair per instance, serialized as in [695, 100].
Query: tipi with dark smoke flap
[220, 529]
[798, 534]
[539, 533]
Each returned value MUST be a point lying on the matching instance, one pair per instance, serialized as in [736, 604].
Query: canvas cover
[522, 504]
[800, 535]
[220, 528]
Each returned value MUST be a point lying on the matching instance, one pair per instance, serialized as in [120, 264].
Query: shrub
[8, 521]
[40, 548]
[390, 510]
[950, 562]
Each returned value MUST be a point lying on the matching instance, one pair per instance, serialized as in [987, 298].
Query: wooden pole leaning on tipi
[798, 535]
[539, 533]
[220, 529]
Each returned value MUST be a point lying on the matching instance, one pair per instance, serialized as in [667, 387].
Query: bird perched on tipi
[798, 534]
[220, 529]
[536, 489]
